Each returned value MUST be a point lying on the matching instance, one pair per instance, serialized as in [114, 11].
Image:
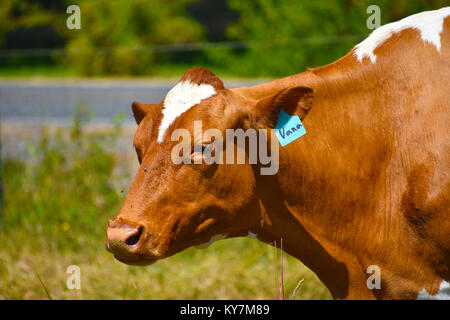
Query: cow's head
[172, 206]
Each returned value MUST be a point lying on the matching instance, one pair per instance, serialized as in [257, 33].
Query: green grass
[36, 70]
[229, 269]
[60, 71]
[56, 206]
[161, 70]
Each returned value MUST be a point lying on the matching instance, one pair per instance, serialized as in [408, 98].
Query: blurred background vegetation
[57, 202]
[254, 38]
[59, 196]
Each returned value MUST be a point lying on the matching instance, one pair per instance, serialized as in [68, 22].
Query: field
[56, 206]
[62, 182]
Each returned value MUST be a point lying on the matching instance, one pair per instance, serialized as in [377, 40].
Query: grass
[56, 206]
[36, 70]
[229, 269]
[164, 70]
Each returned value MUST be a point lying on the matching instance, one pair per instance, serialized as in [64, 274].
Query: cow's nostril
[133, 239]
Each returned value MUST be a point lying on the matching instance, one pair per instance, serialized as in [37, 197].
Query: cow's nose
[123, 236]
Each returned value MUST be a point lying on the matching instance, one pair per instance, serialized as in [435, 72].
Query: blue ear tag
[288, 128]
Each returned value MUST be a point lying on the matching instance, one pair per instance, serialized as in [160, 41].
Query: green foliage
[279, 30]
[66, 186]
[115, 35]
[23, 14]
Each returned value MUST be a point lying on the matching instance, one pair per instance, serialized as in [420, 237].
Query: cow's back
[420, 165]
[413, 76]
[375, 159]
[380, 128]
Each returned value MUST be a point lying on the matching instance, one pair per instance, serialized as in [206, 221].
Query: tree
[116, 36]
[288, 36]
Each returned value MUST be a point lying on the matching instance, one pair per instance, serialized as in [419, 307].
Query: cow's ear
[140, 110]
[294, 101]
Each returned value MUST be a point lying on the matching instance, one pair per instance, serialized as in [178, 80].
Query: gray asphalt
[55, 104]
[27, 104]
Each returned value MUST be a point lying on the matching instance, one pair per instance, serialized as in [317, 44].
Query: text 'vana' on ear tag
[288, 128]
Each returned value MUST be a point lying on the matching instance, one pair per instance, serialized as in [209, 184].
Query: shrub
[116, 35]
[66, 186]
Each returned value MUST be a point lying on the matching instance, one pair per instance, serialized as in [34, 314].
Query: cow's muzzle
[126, 240]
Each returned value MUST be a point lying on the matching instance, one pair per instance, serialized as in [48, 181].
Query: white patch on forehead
[213, 239]
[429, 23]
[442, 294]
[180, 99]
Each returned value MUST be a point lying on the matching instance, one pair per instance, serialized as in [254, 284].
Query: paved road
[26, 104]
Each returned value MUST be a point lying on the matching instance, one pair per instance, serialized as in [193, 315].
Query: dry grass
[229, 269]
[55, 211]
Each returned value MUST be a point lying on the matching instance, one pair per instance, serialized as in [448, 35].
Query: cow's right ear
[140, 110]
[294, 101]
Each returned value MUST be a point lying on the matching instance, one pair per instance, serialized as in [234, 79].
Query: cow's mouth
[136, 261]
[132, 258]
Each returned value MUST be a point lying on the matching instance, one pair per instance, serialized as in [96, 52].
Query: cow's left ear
[294, 101]
[140, 110]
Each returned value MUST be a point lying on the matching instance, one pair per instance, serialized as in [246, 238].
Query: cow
[365, 189]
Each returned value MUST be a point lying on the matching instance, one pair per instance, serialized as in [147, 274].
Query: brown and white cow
[368, 185]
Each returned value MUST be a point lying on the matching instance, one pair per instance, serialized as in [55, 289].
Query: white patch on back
[213, 239]
[180, 99]
[429, 23]
[442, 294]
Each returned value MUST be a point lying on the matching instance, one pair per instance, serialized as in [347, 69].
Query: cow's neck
[320, 202]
